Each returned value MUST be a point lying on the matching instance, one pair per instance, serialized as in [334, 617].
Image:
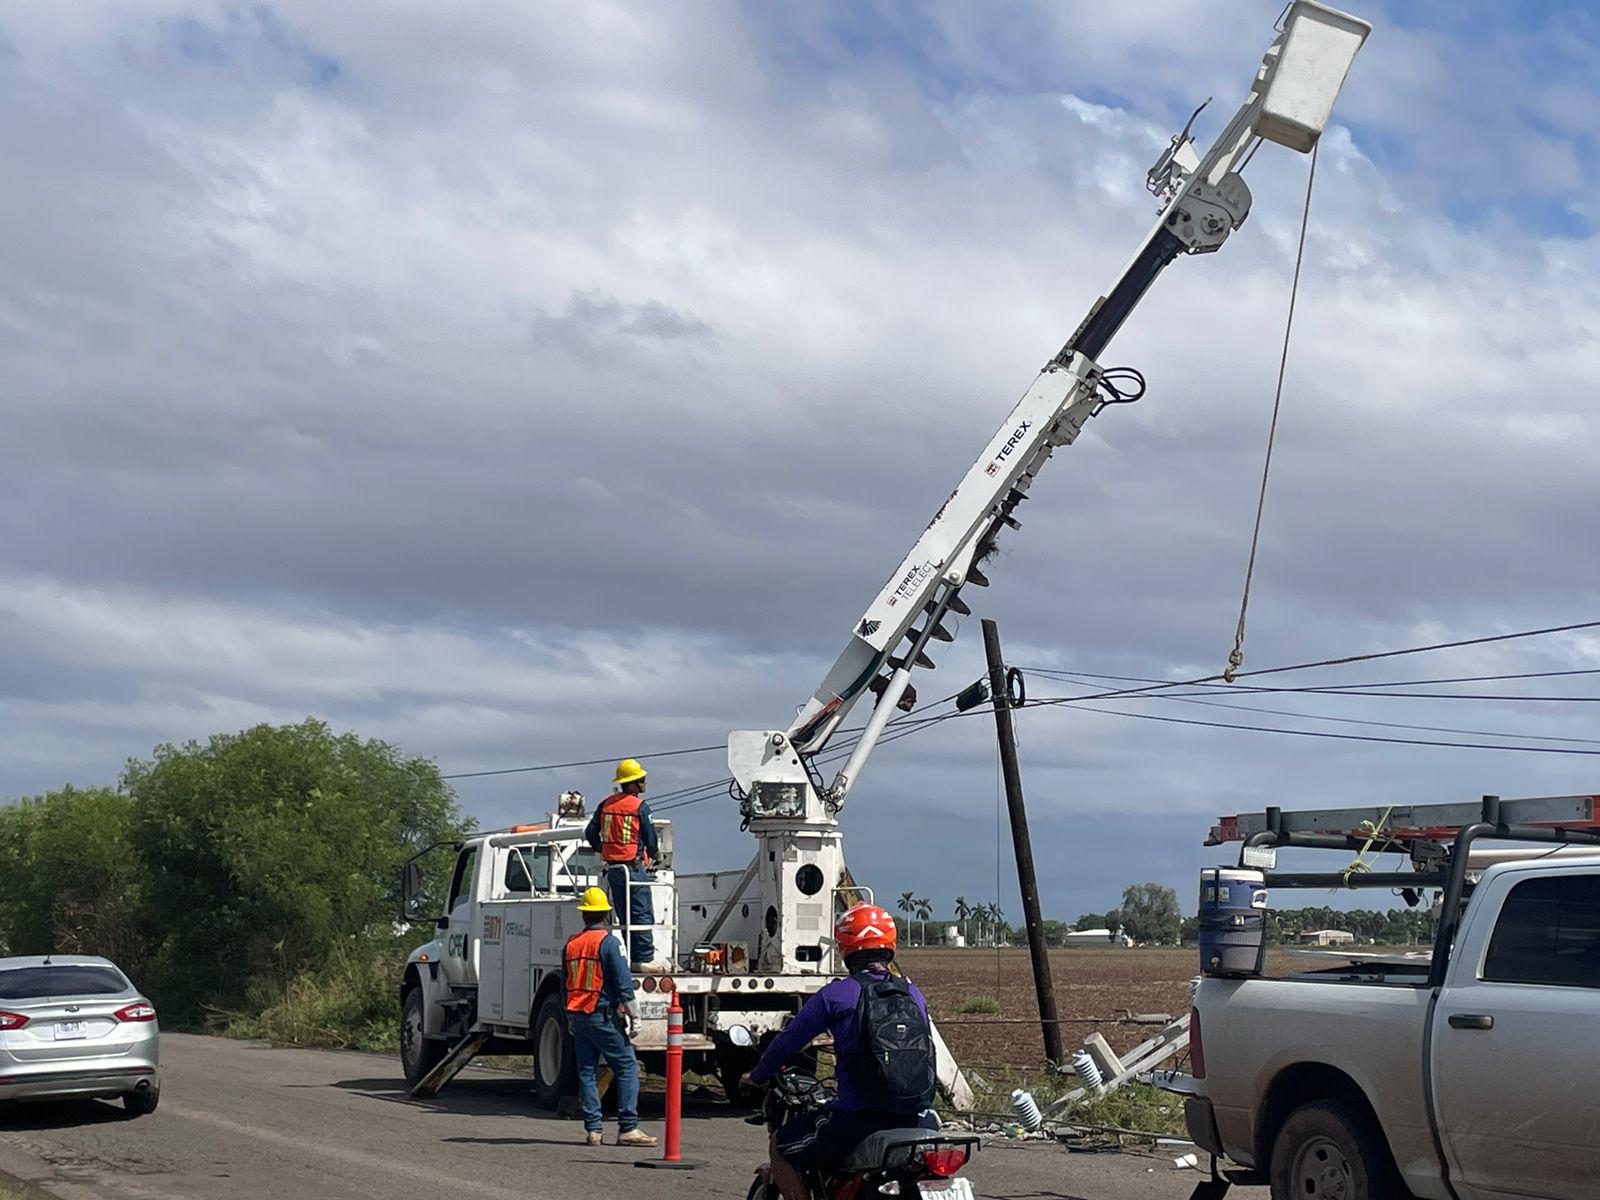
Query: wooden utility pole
[1023, 845]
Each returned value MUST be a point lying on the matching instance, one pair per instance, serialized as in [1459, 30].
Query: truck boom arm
[1203, 200]
[800, 875]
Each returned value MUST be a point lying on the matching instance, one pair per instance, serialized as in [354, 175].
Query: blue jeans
[641, 910]
[596, 1037]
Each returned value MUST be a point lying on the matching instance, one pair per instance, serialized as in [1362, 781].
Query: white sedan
[75, 1026]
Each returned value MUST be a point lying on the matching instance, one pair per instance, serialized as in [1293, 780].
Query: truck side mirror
[410, 888]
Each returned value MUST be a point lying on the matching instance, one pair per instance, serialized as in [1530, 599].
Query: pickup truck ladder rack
[1406, 822]
[1418, 830]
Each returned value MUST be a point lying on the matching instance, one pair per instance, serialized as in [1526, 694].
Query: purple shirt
[831, 1010]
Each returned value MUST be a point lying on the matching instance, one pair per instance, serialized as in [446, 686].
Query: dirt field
[1090, 982]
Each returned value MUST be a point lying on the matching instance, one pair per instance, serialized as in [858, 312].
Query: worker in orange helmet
[885, 1074]
[623, 833]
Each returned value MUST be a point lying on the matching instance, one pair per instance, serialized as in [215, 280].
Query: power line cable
[1307, 733]
[1225, 688]
[1351, 658]
[1305, 716]
[908, 723]
[588, 762]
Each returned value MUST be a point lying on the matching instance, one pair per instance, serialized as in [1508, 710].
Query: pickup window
[1548, 933]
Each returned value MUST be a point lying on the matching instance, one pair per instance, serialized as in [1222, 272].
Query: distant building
[1324, 937]
[1096, 937]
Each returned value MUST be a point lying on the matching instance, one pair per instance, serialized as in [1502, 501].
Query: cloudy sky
[534, 383]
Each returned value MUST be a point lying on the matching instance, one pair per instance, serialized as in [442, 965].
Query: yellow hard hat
[628, 771]
[594, 900]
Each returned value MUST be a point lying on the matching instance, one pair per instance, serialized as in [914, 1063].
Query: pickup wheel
[419, 1054]
[555, 1061]
[1332, 1150]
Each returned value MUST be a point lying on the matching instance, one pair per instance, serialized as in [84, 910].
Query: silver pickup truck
[1375, 1080]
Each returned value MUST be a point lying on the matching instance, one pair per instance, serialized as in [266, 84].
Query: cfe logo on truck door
[491, 928]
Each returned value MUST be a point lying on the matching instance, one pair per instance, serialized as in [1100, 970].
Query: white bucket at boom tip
[1304, 71]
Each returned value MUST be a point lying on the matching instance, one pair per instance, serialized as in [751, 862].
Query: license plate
[654, 1010]
[70, 1029]
[947, 1189]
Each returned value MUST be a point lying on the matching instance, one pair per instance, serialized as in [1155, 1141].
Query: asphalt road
[241, 1120]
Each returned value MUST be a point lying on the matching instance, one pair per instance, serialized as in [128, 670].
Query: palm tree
[996, 916]
[924, 911]
[908, 905]
[963, 911]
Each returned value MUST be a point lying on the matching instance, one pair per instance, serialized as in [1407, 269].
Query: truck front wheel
[419, 1054]
[1332, 1150]
[555, 1062]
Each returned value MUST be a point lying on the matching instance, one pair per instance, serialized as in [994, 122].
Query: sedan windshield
[35, 983]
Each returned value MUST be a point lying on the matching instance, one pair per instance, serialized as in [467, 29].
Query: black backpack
[892, 1062]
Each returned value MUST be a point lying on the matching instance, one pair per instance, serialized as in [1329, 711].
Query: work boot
[635, 1137]
[592, 1137]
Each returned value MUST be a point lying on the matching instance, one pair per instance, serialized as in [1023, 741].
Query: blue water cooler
[1233, 921]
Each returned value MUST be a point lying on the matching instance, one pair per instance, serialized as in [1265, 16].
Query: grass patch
[352, 1003]
[1136, 1107]
[983, 1006]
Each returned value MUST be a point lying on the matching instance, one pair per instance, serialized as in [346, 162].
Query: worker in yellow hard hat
[625, 837]
[602, 1014]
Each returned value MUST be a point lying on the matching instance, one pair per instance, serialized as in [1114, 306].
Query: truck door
[460, 961]
[1515, 1056]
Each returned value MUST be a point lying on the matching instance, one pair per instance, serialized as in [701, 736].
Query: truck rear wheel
[732, 1062]
[555, 1061]
[419, 1054]
[1332, 1150]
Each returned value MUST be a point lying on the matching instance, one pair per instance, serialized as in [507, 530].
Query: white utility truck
[1467, 1073]
[747, 946]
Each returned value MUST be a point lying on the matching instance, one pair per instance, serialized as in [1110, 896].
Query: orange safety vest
[584, 974]
[620, 828]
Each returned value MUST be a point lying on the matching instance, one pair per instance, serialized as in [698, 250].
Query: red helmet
[864, 927]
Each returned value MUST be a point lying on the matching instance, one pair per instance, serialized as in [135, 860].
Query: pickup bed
[1364, 1082]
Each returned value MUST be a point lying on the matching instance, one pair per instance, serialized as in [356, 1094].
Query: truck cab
[493, 970]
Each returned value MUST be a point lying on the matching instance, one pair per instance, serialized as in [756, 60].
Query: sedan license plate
[70, 1029]
[946, 1189]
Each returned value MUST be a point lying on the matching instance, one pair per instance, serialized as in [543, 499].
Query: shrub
[351, 1003]
[986, 1006]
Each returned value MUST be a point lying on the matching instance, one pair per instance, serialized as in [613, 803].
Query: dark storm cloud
[530, 390]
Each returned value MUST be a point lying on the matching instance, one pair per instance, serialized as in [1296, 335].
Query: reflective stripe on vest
[584, 974]
[620, 826]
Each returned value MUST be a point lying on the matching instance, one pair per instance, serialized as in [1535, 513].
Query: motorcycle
[921, 1163]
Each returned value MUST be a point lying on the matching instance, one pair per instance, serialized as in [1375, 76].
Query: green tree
[997, 925]
[924, 910]
[69, 879]
[1055, 932]
[267, 850]
[1150, 913]
[908, 905]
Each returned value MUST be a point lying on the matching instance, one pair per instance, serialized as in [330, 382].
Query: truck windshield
[35, 983]
[583, 869]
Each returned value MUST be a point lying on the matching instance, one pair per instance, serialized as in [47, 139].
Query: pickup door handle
[1471, 1021]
